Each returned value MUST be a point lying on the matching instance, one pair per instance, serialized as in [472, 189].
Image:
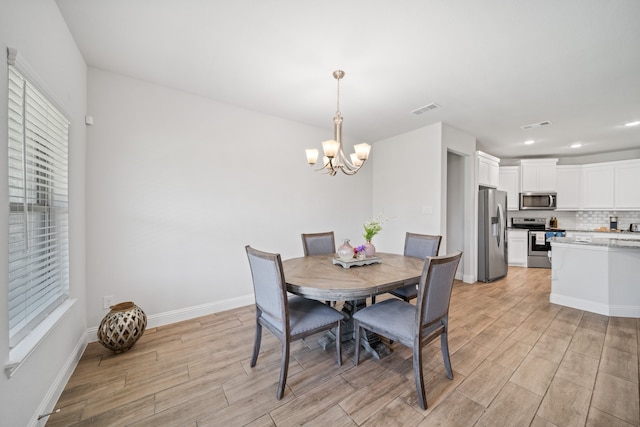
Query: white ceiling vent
[536, 125]
[429, 107]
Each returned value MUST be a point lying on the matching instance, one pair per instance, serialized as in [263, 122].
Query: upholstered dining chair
[289, 319]
[418, 246]
[318, 243]
[416, 326]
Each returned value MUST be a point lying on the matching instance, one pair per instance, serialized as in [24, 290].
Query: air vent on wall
[536, 125]
[429, 107]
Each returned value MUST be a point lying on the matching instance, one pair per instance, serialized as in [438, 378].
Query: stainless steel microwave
[539, 201]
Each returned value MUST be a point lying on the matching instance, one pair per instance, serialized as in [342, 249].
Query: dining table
[318, 277]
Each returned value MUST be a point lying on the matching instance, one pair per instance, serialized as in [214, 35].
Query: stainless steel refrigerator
[492, 235]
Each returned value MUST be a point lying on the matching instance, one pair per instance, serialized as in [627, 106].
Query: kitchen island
[599, 275]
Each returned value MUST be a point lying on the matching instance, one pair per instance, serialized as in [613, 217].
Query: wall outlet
[108, 301]
[427, 210]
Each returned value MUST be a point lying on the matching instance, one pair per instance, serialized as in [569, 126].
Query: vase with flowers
[359, 252]
[371, 228]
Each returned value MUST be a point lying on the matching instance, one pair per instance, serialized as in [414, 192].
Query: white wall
[407, 177]
[410, 174]
[36, 29]
[178, 184]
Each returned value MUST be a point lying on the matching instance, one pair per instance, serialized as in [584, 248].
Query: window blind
[38, 206]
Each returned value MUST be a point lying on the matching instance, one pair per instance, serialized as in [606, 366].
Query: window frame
[44, 180]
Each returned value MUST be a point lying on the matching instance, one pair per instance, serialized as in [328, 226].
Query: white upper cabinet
[510, 182]
[627, 184]
[488, 169]
[568, 180]
[538, 175]
[597, 186]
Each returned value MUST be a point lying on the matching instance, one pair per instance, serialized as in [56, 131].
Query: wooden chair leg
[284, 368]
[417, 373]
[256, 344]
[444, 345]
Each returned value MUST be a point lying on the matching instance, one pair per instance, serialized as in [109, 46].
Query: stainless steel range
[538, 247]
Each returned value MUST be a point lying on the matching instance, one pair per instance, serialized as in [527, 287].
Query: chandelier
[334, 159]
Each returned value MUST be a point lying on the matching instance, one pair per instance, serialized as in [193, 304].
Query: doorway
[457, 206]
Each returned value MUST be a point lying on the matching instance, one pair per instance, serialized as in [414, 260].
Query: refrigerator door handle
[501, 230]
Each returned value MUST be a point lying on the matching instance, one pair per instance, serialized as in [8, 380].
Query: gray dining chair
[416, 326]
[318, 243]
[418, 246]
[289, 319]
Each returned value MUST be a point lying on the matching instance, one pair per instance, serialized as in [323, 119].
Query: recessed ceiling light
[636, 123]
[529, 142]
[576, 145]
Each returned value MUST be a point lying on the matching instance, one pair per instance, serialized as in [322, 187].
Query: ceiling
[492, 66]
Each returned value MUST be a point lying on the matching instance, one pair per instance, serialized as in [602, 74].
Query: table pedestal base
[368, 340]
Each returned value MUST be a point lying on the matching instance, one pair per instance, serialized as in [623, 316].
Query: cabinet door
[518, 241]
[538, 175]
[597, 187]
[568, 187]
[529, 177]
[547, 177]
[627, 185]
[488, 172]
[509, 181]
[494, 174]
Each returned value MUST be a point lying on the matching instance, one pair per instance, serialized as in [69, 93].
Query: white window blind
[38, 207]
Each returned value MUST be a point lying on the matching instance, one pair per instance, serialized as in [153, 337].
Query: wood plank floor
[518, 360]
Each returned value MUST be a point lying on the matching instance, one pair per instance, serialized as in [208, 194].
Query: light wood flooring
[517, 359]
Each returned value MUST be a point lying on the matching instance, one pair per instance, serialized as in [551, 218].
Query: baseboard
[594, 307]
[174, 316]
[57, 387]
[466, 278]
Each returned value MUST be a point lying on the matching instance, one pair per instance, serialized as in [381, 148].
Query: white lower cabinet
[517, 242]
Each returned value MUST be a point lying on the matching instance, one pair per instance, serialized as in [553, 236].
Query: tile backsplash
[581, 220]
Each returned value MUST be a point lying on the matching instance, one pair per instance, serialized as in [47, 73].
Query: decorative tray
[357, 262]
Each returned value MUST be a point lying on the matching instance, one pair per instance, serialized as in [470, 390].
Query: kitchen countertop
[609, 242]
[606, 231]
[582, 230]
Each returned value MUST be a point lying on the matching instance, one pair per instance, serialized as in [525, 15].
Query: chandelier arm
[328, 168]
[350, 172]
[345, 160]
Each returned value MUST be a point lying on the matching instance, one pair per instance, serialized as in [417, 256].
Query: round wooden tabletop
[318, 278]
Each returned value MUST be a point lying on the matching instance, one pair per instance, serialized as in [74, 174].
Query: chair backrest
[318, 243]
[269, 286]
[421, 245]
[434, 290]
